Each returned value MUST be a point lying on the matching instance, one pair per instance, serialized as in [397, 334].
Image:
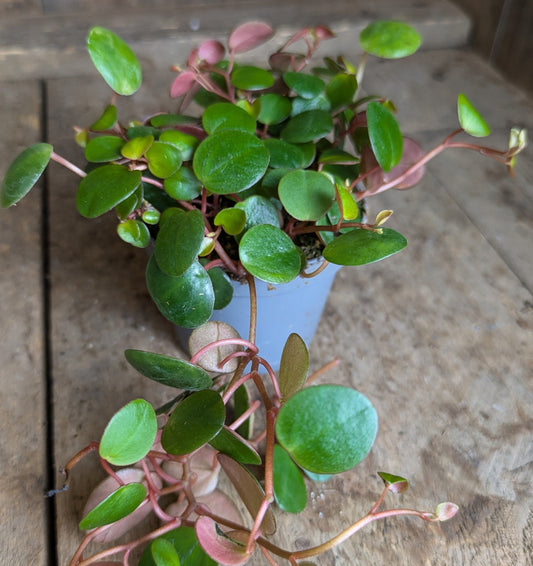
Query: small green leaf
[114, 60]
[284, 154]
[385, 136]
[222, 287]
[186, 300]
[341, 90]
[184, 142]
[396, 484]
[134, 232]
[107, 120]
[327, 429]
[164, 553]
[274, 108]
[247, 77]
[137, 147]
[169, 371]
[390, 40]
[359, 246]
[179, 240]
[307, 126]
[230, 161]
[229, 442]
[194, 422]
[303, 84]
[258, 210]
[241, 402]
[24, 172]
[103, 149]
[300, 104]
[116, 506]
[289, 485]
[232, 220]
[104, 188]
[227, 116]
[293, 367]
[183, 184]
[184, 540]
[269, 254]
[350, 210]
[164, 159]
[470, 119]
[130, 433]
[306, 194]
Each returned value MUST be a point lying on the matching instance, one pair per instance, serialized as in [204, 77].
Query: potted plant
[270, 176]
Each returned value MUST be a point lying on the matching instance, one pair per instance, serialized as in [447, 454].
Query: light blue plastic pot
[281, 310]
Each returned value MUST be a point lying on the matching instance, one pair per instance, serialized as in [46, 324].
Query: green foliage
[116, 506]
[327, 429]
[289, 486]
[24, 172]
[129, 434]
[114, 60]
[195, 421]
[470, 119]
[389, 39]
[294, 366]
[385, 136]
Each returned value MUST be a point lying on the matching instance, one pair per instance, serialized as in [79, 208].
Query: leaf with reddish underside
[211, 51]
[396, 484]
[182, 84]
[248, 36]
[249, 490]
[227, 549]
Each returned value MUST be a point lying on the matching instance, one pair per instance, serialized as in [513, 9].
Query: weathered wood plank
[53, 45]
[22, 416]
[439, 337]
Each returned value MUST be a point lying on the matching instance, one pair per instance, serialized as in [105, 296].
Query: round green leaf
[178, 242]
[104, 188]
[164, 553]
[293, 367]
[114, 507]
[390, 40]
[195, 421]
[183, 185]
[359, 246]
[104, 148]
[229, 442]
[227, 116]
[24, 172]
[184, 540]
[142, 131]
[284, 154]
[300, 104]
[289, 485]
[184, 142]
[186, 300]
[230, 161]
[222, 287]
[130, 433]
[327, 429]
[470, 119]
[134, 232]
[258, 210]
[129, 204]
[306, 194]
[136, 147]
[114, 60]
[107, 120]
[232, 220]
[341, 89]
[164, 159]
[307, 126]
[385, 136]
[303, 84]
[169, 371]
[269, 254]
[248, 77]
[274, 108]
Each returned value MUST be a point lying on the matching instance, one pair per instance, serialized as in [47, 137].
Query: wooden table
[439, 337]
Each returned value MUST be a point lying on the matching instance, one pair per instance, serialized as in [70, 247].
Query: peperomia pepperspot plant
[272, 172]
